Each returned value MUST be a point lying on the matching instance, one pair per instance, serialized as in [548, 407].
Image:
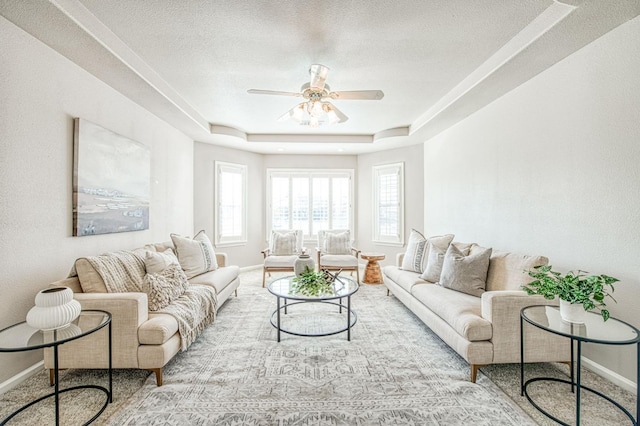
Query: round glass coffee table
[342, 288]
[21, 337]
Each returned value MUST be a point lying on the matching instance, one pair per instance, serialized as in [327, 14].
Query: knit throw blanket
[124, 271]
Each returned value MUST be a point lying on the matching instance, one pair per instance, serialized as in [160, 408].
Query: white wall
[205, 156]
[413, 159]
[41, 93]
[553, 168]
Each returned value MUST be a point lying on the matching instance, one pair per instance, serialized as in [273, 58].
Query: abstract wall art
[111, 181]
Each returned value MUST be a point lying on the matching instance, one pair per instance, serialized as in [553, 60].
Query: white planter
[55, 308]
[571, 312]
[301, 263]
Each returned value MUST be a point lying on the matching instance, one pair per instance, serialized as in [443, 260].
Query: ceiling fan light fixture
[298, 112]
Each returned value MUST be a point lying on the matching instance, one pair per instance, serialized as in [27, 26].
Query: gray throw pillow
[467, 274]
[435, 261]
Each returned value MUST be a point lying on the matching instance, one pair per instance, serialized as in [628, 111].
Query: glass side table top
[22, 337]
[343, 287]
[594, 329]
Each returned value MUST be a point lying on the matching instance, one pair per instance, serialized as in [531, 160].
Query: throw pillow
[467, 274]
[196, 256]
[413, 259]
[436, 249]
[337, 243]
[283, 243]
[164, 287]
[156, 262]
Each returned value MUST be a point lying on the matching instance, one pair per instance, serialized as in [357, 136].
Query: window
[388, 203]
[231, 203]
[310, 200]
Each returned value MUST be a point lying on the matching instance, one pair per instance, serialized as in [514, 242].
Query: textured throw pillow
[467, 274]
[196, 256]
[155, 262]
[414, 257]
[283, 243]
[436, 249]
[164, 287]
[337, 243]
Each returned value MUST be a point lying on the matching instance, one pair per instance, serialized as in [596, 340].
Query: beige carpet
[394, 371]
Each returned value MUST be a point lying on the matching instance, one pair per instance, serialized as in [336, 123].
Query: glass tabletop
[342, 287]
[594, 329]
[23, 337]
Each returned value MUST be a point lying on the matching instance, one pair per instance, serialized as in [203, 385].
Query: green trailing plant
[312, 283]
[573, 287]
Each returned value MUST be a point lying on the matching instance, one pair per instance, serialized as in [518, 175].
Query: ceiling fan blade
[365, 95]
[341, 117]
[319, 75]
[272, 92]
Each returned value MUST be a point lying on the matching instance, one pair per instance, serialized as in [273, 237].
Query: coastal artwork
[111, 181]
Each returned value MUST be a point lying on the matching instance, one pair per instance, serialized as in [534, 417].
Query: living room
[547, 167]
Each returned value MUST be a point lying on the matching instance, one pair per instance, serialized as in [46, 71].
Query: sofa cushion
[218, 279]
[467, 274]
[164, 287]
[157, 329]
[507, 270]
[90, 279]
[414, 256]
[405, 279]
[461, 311]
[156, 262]
[339, 260]
[337, 243]
[196, 256]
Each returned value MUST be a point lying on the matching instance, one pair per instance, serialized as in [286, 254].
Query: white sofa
[141, 339]
[483, 330]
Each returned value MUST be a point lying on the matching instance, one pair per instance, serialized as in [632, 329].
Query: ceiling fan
[315, 110]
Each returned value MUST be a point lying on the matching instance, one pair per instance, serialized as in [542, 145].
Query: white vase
[572, 312]
[55, 308]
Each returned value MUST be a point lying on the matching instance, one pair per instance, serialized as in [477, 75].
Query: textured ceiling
[192, 62]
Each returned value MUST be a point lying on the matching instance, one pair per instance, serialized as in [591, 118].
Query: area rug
[393, 371]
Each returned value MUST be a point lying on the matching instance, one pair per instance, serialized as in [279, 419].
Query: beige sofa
[483, 330]
[141, 339]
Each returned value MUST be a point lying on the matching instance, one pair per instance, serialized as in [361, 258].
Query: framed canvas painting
[111, 181]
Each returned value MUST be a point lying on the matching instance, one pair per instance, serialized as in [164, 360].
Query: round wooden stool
[372, 272]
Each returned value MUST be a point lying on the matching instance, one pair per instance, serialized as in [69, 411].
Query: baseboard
[612, 376]
[20, 377]
[250, 268]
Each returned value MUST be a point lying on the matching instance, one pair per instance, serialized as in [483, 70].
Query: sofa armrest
[502, 309]
[128, 312]
[221, 258]
[399, 258]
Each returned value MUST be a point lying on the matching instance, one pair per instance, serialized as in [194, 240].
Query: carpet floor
[394, 371]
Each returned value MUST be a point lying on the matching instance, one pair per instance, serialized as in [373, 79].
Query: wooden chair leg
[264, 276]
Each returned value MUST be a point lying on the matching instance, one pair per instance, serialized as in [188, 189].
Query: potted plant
[312, 283]
[576, 290]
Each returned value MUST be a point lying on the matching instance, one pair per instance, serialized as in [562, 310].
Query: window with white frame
[388, 203]
[231, 203]
[310, 200]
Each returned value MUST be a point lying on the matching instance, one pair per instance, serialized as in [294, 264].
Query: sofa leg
[52, 377]
[158, 372]
[236, 292]
[474, 371]
[264, 276]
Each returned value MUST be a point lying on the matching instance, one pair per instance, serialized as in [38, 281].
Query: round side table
[372, 272]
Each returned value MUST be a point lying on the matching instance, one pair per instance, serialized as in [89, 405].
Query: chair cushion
[405, 279]
[280, 261]
[463, 312]
[345, 260]
[157, 329]
[507, 270]
[218, 279]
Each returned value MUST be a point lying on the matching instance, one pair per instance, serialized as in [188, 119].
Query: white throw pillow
[467, 274]
[436, 249]
[156, 262]
[283, 243]
[337, 243]
[414, 256]
[196, 256]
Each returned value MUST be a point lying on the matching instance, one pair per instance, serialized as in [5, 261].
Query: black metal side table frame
[576, 339]
[57, 391]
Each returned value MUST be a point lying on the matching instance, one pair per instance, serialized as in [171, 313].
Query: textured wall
[41, 93]
[552, 168]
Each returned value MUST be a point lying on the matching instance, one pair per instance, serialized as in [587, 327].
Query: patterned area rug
[394, 371]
